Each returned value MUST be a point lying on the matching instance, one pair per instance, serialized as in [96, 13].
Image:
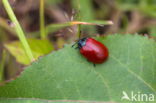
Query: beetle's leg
[76, 47]
[94, 65]
[73, 45]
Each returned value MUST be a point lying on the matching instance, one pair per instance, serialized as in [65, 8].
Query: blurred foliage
[85, 8]
[2, 64]
[38, 47]
[85, 12]
[153, 31]
[53, 2]
[146, 6]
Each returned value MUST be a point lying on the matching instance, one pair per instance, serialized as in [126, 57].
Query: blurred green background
[128, 16]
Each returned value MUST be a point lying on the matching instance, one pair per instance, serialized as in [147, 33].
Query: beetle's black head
[81, 42]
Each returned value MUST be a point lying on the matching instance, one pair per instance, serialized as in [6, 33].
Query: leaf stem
[18, 29]
[42, 20]
[79, 31]
[79, 19]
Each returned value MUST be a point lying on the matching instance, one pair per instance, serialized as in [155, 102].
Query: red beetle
[93, 50]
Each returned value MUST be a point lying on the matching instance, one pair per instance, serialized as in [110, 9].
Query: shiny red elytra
[93, 50]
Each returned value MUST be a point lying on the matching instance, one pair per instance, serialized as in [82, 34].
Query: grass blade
[18, 29]
[42, 21]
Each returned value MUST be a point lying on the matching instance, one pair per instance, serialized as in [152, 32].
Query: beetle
[93, 50]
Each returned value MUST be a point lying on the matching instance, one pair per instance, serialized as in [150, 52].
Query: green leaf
[67, 75]
[27, 100]
[38, 47]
